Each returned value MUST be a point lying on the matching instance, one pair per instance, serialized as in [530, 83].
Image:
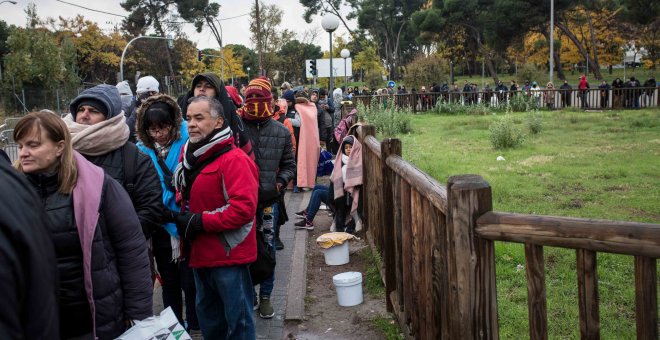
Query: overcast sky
[235, 27]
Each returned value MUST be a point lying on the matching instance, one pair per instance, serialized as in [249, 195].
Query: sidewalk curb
[295, 302]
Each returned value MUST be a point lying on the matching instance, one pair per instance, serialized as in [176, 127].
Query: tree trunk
[592, 63]
[594, 53]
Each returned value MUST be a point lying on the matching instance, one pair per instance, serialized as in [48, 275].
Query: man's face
[200, 121]
[204, 88]
[314, 97]
[89, 115]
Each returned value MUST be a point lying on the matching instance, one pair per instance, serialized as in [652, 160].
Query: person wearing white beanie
[147, 84]
[126, 94]
[146, 87]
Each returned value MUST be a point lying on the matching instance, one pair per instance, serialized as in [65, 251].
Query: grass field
[603, 165]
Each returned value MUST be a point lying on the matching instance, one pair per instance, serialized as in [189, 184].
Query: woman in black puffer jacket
[101, 253]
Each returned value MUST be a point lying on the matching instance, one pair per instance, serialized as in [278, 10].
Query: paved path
[290, 277]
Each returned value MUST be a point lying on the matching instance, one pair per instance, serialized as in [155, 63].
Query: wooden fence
[554, 99]
[437, 247]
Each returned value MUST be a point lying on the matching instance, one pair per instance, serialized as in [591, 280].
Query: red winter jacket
[225, 191]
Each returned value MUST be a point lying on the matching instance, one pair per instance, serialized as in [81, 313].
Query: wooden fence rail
[438, 251]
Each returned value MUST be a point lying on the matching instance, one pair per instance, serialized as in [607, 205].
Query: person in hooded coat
[210, 85]
[99, 132]
[347, 184]
[161, 133]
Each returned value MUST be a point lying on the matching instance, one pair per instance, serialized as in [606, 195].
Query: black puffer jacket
[147, 192]
[273, 151]
[28, 273]
[121, 277]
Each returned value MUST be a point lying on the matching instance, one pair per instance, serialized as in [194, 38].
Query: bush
[445, 107]
[388, 119]
[505, 134]
[534, 122]
[520, 102]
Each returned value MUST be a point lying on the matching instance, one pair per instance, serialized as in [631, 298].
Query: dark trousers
[177, 280]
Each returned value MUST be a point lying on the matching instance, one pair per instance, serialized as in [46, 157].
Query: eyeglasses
[159, 130]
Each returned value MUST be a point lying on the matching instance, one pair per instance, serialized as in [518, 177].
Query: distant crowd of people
[629, 94]
[127, 190]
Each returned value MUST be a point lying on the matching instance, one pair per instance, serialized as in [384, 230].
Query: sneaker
[255, 303]
[302, 213]
[266, 310]
[278, 244]
[333, 227]
[323, 206]
[304, 224]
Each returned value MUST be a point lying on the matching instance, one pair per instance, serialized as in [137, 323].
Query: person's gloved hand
[189, 225]
[169, 216]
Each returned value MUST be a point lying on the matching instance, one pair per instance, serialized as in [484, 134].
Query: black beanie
[95, 103]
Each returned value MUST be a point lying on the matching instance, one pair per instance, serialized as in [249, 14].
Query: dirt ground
[325, 319]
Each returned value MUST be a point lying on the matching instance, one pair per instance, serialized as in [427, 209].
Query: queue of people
[182, 205]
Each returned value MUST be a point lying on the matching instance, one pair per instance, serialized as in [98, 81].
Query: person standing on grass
[273, 153]
[604, 89]
[550, 95]
[218, 184]
[566, 94]
[583, 88]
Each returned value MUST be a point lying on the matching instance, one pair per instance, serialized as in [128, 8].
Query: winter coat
[147, 145]
[231, 117]
[225, 191]
[28, 271]
[147, 192]
[273, 151]
[115, 261]
[324, 122]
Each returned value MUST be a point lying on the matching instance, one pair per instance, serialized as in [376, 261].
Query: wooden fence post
[388, 147]
[367, 130]
[471, 261]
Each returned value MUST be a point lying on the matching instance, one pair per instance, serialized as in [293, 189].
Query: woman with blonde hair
[550, 95]
[101, 254]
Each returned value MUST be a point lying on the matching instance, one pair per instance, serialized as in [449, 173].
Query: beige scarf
[100, 138]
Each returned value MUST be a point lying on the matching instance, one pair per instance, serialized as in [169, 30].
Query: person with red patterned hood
[273, 153]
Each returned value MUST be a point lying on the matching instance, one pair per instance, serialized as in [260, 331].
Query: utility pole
[261, 66]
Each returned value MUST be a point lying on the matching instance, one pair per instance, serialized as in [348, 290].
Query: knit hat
[147, 84]
[288, 95]
[124, 88]
[107, 97]
[233, 94]
[258, 100]
[95, 103]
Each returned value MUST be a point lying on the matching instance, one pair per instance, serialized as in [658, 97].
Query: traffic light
[312, 67]
[199, 55]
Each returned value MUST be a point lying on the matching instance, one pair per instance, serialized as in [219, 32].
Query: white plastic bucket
[336, 255]
[349, 288]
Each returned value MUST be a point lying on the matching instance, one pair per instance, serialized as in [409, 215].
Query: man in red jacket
[218, 184]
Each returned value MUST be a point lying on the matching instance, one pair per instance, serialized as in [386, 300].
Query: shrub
[388, 119]
[445, 107]
[479, 109]
[505, 134]
[520, 102]
[534, 122]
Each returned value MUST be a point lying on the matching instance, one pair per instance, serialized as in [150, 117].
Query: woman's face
[160, 134]
[38, 154]
[347, 149]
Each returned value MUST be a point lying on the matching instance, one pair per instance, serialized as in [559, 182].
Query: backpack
[130, 154]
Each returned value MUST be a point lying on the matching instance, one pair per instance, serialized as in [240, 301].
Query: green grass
[389, 328]
[582, 164]
[373, 283]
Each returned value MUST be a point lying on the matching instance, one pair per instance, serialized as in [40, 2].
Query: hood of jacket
[107, 94]
[141, 131]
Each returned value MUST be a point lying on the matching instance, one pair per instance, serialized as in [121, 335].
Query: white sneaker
[358, 221]
[333, 227]
[323, 206]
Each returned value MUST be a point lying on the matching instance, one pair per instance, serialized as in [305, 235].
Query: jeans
[320, 194]
[267, 220]
[177, 280]
[224, 302]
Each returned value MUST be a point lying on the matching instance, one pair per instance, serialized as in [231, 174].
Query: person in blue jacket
[161, 134]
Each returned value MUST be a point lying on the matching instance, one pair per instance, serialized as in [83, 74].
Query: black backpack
[264, 266]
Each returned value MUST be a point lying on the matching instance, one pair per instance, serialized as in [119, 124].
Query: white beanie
[124, 88]
[147, 84]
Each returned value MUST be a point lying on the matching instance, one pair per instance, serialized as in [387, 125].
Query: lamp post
[330, 22]
[552, 37]
[248, 69]
[121, 62]
[9, 1]
[345, 54]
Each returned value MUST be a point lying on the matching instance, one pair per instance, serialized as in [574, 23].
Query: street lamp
[248, 69]
[330, 22]
[121, 62]
[345, 54]
[9, 1]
